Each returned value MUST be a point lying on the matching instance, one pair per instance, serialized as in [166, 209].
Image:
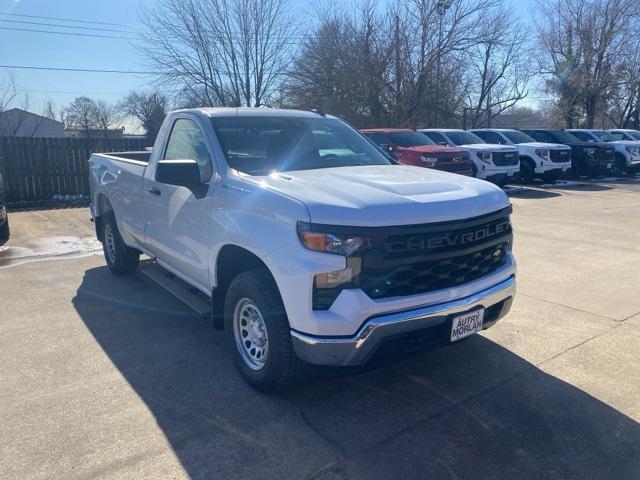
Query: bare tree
[379, 65]
[148, 108]
[341, 66]
[228, 52]
[583, 44]
[106, 116]
[82, 114]
[51, 111]
[498, 69]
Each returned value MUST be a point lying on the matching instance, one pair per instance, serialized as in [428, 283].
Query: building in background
[21, 123]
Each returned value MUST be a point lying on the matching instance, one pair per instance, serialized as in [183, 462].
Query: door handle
[154, 191]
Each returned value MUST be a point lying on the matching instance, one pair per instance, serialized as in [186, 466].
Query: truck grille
[502, 159]
[560, 156]
[604, 155]
[414, 259]
[460, 164]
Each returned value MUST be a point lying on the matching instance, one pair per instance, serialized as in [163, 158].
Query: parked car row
[500, 155]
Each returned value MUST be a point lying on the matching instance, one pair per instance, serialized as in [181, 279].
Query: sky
[113, 18]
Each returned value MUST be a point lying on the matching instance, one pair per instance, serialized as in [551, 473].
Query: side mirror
[184, 173]
[443, 144]
[386, 147]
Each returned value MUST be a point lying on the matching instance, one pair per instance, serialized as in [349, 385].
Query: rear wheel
[258, 333]
[121, 259]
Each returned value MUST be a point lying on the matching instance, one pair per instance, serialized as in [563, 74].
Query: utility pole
[441, 7]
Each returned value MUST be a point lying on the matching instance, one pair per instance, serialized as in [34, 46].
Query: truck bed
[141, 157]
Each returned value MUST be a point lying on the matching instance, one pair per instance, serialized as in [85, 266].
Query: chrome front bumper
[357, 349]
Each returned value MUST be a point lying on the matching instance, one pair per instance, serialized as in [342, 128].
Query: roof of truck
[252, 112]
[445, 130]
[386, 130]
[493, 130]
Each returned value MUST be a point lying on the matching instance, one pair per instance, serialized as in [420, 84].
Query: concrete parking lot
[105, 377]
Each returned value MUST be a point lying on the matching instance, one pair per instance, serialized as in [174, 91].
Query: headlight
[632, 150]
[590, 151]
[428, 161]
[327, 286]
[541, 152]
[484, 156]
[340, 244]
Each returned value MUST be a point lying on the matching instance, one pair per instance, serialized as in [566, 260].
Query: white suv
[627, 152]
[495, 163]
[547, 160]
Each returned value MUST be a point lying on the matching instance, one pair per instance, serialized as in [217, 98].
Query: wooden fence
[39, 169]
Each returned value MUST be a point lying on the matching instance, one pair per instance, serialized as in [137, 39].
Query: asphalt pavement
[106, 377]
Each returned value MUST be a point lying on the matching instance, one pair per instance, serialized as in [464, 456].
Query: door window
[187, 142]
[543, 137]
[437, 138]
[584, 136]
[490, 137]
[378, 138]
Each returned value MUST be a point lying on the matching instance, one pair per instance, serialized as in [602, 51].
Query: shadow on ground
[533, 193]
[471, 411]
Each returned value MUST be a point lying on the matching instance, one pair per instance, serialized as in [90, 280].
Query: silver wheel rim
[110, 243]
[250, 333]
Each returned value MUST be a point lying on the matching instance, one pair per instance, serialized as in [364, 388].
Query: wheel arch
[231, 261]
[103, 206]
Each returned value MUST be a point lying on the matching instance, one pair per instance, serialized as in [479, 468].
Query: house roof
[22, 112]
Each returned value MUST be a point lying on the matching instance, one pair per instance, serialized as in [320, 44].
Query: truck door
[177, 218]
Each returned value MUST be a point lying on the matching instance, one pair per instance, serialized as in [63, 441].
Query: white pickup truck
[492, 162]
[547, 160]
[310, 243]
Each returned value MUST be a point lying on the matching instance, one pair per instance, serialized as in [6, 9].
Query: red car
[414, 148]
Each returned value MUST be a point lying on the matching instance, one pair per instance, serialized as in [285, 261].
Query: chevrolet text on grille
[453, 240]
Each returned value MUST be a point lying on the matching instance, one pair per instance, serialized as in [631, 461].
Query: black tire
[121, 259]
[551, 177]
[281, 367]
[527, 171]
[4, 232]
[619, 165]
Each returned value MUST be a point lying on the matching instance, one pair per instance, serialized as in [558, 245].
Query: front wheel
[121, 259]
[257, 331]
[4, 232]
[619, 165]
[527, 172]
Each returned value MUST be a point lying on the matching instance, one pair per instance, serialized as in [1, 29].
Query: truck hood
[625, 143]
[554, 146]
[491, 147]
[433, 149]
[383, 195]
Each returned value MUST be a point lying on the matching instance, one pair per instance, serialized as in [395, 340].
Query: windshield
[518, 137]
[410, 139]
[604, 136]
[263, 144]
[634, 135]
[463, 138]
[564, 137]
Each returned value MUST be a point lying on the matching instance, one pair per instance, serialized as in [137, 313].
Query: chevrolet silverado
[310, 244]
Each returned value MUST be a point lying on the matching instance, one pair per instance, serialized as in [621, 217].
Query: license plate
[467, 324]
[609, 165]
